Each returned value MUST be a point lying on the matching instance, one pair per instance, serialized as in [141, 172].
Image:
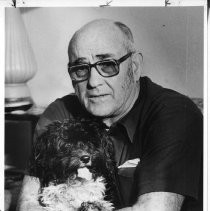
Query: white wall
[171, 40]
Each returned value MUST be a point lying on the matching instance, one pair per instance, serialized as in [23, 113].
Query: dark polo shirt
[164, 129]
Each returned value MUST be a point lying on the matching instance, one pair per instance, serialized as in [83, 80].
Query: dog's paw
[95, 206]
[89, 206]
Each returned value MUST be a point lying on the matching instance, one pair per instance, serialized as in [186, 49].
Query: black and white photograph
[104, 107]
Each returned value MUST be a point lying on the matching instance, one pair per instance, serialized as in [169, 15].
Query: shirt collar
[130, 120]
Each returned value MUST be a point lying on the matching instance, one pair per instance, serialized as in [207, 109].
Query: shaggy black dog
[62, 153]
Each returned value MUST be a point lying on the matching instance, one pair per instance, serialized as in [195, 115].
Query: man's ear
[137, 65]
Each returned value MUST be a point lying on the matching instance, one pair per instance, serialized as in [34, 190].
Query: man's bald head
[102, 27]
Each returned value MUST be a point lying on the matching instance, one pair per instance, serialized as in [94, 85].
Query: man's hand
[28, 196]
[157, 201]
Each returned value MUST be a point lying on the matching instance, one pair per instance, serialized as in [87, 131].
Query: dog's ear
[42, 152]
[39, 158]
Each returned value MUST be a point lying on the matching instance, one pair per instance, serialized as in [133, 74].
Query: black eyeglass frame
[118, 62]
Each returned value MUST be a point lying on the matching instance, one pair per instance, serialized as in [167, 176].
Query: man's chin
[99, 111]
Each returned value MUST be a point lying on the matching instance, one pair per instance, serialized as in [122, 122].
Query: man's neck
[134, 95]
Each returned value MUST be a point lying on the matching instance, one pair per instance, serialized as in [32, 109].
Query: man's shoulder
[155, 91]
[70, 98]
[165, 98]
[64, 104]
[69, 101]
[171, 99]
[66, 107]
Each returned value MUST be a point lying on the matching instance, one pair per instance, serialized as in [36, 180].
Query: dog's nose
[85, 158]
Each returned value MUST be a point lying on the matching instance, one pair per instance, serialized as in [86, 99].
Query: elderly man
[159, 126]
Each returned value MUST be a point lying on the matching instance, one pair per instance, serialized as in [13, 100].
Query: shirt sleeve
[172, 149]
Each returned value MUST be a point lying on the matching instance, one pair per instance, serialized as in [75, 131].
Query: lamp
[20, 64]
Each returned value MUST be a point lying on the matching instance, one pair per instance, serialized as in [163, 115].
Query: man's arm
[28, 200]
[157, 201]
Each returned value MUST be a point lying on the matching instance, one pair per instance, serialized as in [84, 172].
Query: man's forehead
[101, 43]
[84, 55]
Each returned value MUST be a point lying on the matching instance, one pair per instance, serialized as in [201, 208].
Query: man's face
[104, 97]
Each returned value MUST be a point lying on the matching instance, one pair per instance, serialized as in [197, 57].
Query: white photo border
[109, 3]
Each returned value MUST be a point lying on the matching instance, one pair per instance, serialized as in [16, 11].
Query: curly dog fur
[59, 153]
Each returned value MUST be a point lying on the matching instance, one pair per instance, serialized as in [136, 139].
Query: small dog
[74, 161]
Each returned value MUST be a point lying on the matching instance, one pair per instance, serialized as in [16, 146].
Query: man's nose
[95, 79]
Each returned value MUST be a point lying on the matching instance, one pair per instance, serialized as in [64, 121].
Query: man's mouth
[98, 97]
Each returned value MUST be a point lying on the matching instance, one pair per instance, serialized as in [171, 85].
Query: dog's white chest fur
[70, 196]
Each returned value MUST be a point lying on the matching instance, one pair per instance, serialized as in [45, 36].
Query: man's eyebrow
[99, 56]
[105, 56]
[79, 61]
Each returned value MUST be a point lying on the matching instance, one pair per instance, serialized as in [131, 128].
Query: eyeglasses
[106, 68]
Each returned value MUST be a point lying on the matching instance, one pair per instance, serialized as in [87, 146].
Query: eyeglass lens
[104, 68]
[107, 68]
